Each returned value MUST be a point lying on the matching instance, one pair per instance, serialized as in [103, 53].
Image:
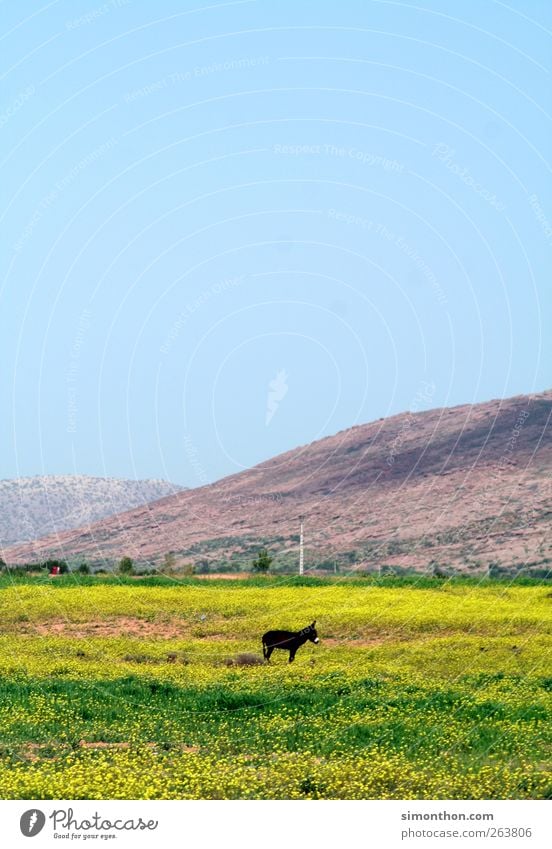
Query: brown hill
[466, 486]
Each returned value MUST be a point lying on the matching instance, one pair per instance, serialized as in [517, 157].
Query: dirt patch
[30, 751]
[129, 626]
[121, 626]
[101, 744]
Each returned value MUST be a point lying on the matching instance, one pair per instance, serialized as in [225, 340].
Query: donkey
[288, 640]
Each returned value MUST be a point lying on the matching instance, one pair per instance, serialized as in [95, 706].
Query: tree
[84, 569]
[262, 561]
[126, 566]
[3, 564]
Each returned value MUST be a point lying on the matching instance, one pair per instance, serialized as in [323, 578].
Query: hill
[467, 486]
[36, 506]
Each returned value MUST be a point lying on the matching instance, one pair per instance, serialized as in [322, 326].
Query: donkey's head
[310, 631]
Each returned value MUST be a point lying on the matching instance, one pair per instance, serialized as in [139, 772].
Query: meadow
[117, 688]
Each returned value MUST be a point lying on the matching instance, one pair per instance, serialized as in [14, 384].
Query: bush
[327, 565]
[126, 566]
[245, 659]
[262, 561]
[84, 569]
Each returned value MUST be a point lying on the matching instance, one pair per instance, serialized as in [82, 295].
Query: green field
[117, 688]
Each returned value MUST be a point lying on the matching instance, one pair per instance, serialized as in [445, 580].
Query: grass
[417, 690]
[415, 580]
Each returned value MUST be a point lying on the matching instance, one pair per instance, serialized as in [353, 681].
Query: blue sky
[233, 228]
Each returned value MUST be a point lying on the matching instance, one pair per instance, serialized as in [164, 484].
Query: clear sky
[233, 228]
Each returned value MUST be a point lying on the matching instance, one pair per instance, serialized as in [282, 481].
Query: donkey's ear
[313, 624]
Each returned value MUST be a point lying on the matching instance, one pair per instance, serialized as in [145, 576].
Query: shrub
[245, 659]
[126, 566]
[137, 658]
[262, 561]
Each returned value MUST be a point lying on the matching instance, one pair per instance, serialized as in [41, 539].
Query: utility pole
[301, 553]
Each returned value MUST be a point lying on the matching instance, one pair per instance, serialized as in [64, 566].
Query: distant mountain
[467, 486]
[36, 506]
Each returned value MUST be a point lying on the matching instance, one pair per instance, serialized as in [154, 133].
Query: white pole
[301, 555]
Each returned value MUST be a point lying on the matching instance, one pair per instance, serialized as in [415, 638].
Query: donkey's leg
[291, 656]
[269, 651]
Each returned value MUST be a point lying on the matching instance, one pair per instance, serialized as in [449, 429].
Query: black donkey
[288, 640]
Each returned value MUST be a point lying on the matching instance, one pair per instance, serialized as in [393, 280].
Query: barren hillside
[36, 506]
